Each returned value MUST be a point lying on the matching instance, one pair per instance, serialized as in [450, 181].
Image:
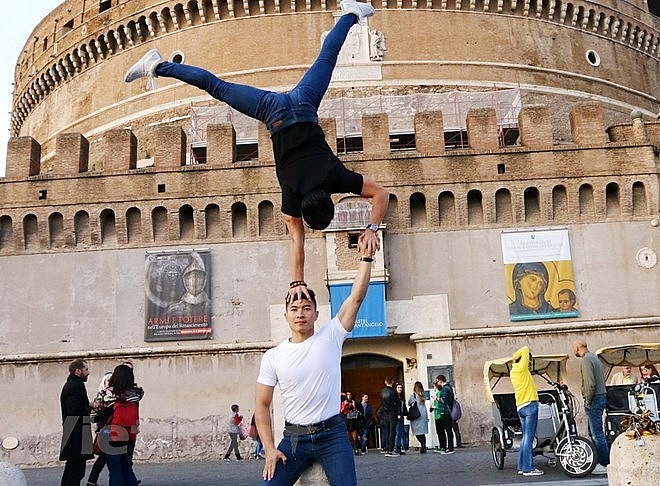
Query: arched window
[447, 209]
[56, 230]
[559, 203]
[186, 222]
[612, 200]
[532, 205]
[475, 207]
[134, 225]
[239, 223]
[418, 210]
[6, 232]
[266, 218]
[31, 232]
[587, 209]
[108, 227]
[503, 207]
[213, 223]
[639, 203]
[159, 223]
[392, 216]
[81, 228]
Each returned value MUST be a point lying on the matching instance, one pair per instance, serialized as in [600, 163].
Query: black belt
[294, 429]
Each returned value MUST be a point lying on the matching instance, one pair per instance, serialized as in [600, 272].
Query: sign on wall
[370, 320]
[538, 275]
[178, 295]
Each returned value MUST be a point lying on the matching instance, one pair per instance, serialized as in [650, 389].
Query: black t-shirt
[304, 162]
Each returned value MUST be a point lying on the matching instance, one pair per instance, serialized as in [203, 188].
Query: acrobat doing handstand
[307, 169]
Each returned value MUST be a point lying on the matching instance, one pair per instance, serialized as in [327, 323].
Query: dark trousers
[389, 430]
[74, 472]
[445, 432]
[457, 434]
[97, 467]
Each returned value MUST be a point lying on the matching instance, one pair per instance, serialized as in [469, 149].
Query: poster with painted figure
[177, 294]
[538, 274]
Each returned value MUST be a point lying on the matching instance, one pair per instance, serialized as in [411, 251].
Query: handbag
[413, 411]
[243, 431]
[353, 415]
[456, 412]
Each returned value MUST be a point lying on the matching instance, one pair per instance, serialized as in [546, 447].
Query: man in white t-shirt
[307, 368]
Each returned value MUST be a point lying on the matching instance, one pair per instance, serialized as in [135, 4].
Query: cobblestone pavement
[467, 467]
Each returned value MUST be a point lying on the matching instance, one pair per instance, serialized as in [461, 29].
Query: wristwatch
[373, 227]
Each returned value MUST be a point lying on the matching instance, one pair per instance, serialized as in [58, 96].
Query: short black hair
[317, 209]
[312, 297]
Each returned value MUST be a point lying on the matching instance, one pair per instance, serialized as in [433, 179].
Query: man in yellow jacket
[527, 403]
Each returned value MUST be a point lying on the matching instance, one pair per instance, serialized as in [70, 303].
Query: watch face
[373, 227]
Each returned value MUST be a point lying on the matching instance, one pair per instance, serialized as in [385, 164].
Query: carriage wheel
[576, 456]
[497, 449]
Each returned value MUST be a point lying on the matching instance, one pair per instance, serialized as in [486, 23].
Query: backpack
[456, 412]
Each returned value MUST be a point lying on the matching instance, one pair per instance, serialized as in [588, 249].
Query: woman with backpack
[124, 426]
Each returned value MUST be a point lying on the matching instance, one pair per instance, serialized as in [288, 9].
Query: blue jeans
[595, 416]
[275, 110]
[402, 439]
[330, 448]
[120, 466]
[529, 417]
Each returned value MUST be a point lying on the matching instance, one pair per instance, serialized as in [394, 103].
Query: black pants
[389, 430]
[97, 467]
[74, 472]
[443, 427]
[422, 442]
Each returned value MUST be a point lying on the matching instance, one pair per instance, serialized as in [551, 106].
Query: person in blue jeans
[527, 403]
[307, 169]
[306, 368]
[595, 400]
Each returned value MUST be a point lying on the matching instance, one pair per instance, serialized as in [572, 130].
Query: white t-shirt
[308, 374]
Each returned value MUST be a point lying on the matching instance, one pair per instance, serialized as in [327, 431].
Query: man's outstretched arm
[296, 230]
[380, 199]
[349, 309]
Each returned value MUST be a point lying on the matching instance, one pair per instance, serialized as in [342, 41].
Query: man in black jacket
[76, 447]
[389, 404]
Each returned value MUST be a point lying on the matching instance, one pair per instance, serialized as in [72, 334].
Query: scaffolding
[400, 109]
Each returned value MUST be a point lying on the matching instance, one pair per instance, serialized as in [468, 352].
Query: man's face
[301, 315]
[365, 398]
[627, 370]
[82, 373]
[577, 351]
[349, 396]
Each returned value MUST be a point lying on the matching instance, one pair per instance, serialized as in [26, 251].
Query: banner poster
[538, 274]
[370, 320]
[178, 296]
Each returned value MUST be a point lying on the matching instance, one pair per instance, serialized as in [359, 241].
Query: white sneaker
[534, 472]
[146, 66]
[359, 9]
[599, 469]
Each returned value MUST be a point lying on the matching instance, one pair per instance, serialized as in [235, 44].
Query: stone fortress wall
[68, 78]
[602, 175]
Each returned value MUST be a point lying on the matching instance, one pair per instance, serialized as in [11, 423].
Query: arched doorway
[365, 373]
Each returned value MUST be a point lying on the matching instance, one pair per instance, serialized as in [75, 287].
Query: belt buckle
[311, 429]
